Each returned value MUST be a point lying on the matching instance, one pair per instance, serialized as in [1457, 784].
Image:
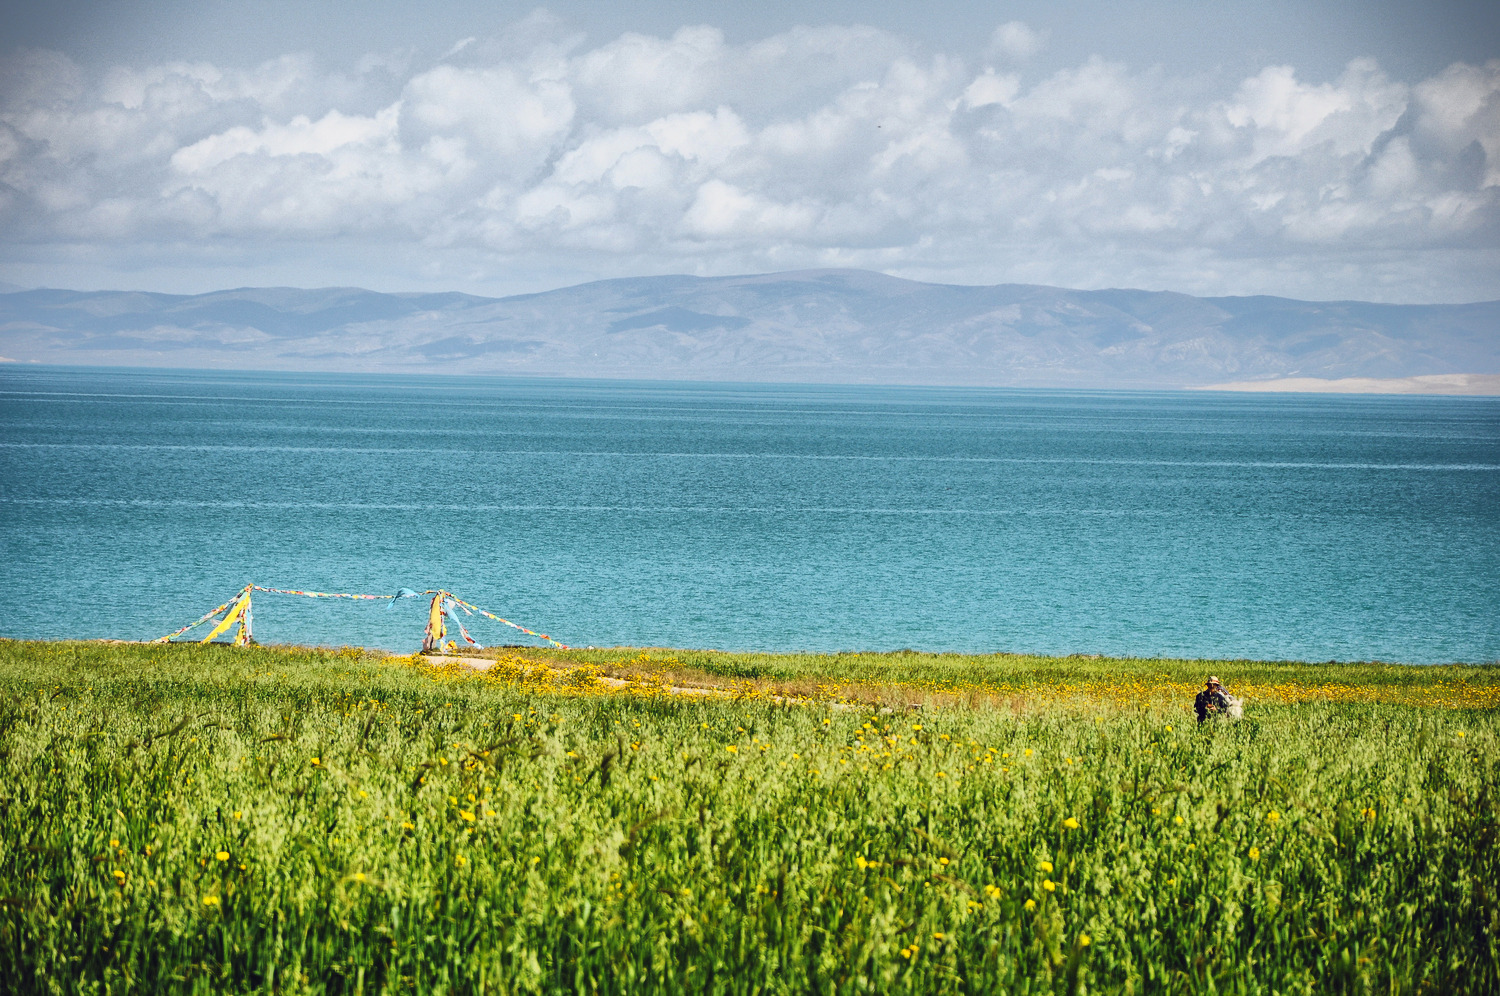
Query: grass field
[217, 819]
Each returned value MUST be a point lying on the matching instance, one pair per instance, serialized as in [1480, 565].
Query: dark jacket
[1210, 698]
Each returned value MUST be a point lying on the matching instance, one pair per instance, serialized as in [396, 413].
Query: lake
[767, 517]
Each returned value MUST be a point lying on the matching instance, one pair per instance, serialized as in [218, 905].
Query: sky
[1320, 150]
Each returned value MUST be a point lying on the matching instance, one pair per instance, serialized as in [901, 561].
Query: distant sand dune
[1426, 384]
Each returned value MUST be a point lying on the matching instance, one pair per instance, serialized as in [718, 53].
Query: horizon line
[1488, 384]
[805, 272]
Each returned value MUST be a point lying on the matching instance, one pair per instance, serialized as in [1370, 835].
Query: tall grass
[943, 677]
[211, 819]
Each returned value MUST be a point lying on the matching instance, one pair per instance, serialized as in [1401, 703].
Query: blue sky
[1317, 150]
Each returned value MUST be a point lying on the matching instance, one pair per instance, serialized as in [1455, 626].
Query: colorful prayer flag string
[318, 594]
[453, 604]
[202, 619]
[528, 632]
[239, 610]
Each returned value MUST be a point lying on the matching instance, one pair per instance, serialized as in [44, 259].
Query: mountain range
[827, 326]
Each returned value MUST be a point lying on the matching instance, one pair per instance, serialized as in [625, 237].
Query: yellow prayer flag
[230, 618]
[436, 629]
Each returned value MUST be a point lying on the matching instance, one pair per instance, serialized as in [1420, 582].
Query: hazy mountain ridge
[828, 325]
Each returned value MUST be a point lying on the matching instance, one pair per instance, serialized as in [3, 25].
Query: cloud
[1017, 40]
[817, 146]
[1457, 115]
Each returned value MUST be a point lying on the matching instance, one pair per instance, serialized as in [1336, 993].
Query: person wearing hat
[1212, 701]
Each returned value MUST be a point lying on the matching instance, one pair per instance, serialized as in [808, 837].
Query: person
[1213, 701]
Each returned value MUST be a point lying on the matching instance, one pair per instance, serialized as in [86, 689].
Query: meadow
[182, 818]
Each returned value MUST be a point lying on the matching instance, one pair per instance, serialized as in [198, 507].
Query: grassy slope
[181, 818]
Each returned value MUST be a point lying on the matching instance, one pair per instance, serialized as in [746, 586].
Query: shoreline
[998, 655]
[894, 680]
[1436, 385]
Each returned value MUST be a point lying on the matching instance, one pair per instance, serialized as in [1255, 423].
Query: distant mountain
[830, 326]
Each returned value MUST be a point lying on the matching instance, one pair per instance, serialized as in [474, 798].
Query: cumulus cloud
[1017, 39]
[818, 146]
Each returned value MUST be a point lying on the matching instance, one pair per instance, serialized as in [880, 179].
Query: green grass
[1030, 669]
[906, 676]
[212, 819]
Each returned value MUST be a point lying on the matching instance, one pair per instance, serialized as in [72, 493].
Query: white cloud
[1018, 40]
[513, 120]
[1289, 117]
[988, 88]
[1459, 108]
[637, 77]
[324, 138]
[819, 146]
[721, 210]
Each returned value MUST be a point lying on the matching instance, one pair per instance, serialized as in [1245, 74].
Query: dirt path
[484, 664]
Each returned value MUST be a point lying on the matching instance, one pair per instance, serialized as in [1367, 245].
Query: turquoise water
[755, 517]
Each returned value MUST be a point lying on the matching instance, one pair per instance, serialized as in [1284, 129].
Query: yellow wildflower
[1031, 904]
[1045, 866]
[222, 855]
[1049, 885]
[1070, 823]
